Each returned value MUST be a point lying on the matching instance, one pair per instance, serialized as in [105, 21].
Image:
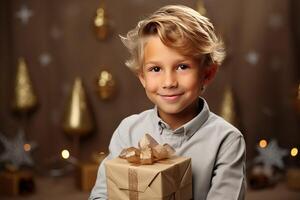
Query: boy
[175, 54]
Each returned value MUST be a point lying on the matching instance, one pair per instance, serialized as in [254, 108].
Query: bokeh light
[263, 143]
[65, 154]
[27, 147]
[294, 151]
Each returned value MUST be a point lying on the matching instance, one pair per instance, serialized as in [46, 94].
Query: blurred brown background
[262, 67]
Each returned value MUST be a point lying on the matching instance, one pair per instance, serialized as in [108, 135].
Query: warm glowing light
[263, 143]
[294, 152]
[27, 147]
[65, 154]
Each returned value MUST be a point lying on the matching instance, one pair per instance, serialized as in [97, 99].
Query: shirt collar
[190, 127]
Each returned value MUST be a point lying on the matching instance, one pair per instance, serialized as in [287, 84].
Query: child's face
[172, 81]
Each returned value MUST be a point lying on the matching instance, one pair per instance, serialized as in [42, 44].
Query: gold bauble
[106, 85]
[77, 116]
[24, 96]
[101, 23]
[200, 7]
[228, 107]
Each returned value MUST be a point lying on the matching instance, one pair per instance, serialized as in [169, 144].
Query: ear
[142, 78]
[209, 73]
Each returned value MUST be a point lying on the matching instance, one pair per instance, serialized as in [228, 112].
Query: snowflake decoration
[66, 88]
[276, 64]
[252, 58]
[267, 111]
[72, 10]
[140, 2]
[55, 33]
[275, 21]
[15, 152]
[271, 155]
[24, 14]
[54, 117]
[45, 59]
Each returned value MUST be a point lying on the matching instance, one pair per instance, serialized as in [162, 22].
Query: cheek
[150, 85]
[193, 85]
[192, 82]
[197, 88]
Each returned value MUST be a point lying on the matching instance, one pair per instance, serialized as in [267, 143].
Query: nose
[169, 80]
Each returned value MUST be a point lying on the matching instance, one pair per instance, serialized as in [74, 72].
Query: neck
[178, 119]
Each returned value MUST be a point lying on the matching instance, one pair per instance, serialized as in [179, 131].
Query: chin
[170, 110]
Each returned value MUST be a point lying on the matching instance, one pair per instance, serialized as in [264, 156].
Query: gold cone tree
[24, 98]
[77, 116]
[228, 106]
[200, 7]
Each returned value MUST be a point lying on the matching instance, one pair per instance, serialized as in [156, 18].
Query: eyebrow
[152, 62]
[175, 62]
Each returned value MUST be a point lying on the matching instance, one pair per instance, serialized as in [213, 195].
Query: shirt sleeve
[116, 145]
[228, 177]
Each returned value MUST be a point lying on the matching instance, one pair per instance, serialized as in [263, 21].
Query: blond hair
[178, 27]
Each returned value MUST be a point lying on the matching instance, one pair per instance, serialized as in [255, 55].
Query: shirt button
[162, 125]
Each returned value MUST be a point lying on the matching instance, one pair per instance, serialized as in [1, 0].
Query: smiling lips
[170, 97]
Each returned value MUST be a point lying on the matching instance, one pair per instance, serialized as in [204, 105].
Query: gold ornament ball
[101, 24]
[106, 85]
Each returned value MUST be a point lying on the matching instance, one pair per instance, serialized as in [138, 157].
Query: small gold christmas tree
[77, 117]
[228, 106]
[24, 96]
[200, 7]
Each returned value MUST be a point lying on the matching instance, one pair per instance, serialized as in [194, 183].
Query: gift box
[166, 179]
[86, 175]
[87, 172]
[16, 183]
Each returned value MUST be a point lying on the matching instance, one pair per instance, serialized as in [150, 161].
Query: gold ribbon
[133, 181]
[175, 195]
[149, 151]
[133, 184]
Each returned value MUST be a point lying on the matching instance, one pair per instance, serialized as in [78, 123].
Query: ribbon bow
[149, 151]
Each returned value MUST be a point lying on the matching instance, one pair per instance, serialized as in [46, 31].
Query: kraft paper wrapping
[166, 179]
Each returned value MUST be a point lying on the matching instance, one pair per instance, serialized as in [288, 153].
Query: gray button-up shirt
[216, 147]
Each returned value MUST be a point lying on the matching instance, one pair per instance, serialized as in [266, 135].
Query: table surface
[64, 188]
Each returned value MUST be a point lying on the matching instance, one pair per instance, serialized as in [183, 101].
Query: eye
[155, 69]
[182, 67]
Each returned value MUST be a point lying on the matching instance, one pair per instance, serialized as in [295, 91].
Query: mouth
[170, 97]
